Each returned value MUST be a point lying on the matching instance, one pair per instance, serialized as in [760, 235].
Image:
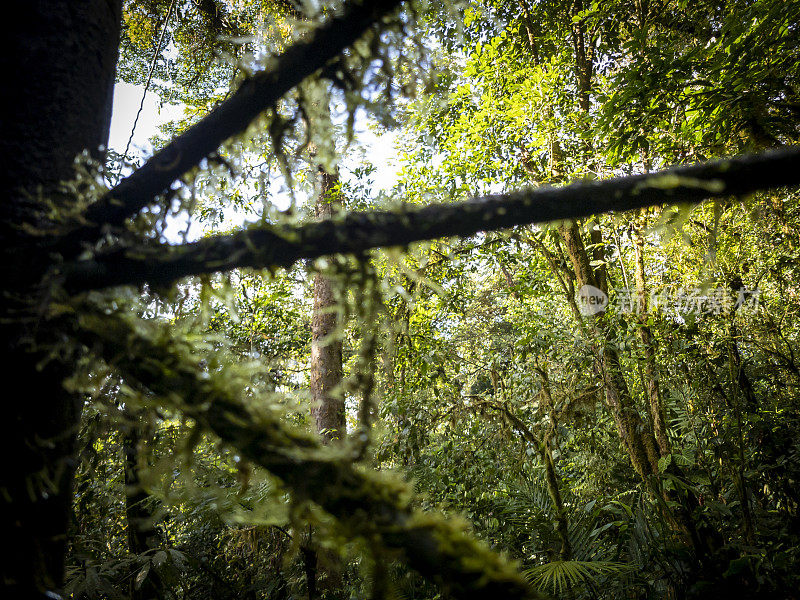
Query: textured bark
[599, 255]
[323, 571]
[636, 436]
[58, 64]
[576, 251]
[58, 69]
[652, 389]
[326, 348]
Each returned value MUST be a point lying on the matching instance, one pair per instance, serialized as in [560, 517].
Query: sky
[126, 103]
[379, 150]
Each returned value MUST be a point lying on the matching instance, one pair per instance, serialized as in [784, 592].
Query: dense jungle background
[644, 447]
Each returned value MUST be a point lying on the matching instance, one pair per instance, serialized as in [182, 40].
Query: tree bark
[326, 347]
[553, 489]
[322, 567]
[58, 68]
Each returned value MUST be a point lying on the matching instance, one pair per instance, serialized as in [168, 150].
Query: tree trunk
[583, 65]
[636, 437]
[326, 353]
[562, 526]
[142, 533]
[654, 403]
[639, 439]
[58, 75]
[322, 568]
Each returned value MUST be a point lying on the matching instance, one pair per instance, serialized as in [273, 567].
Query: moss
[374, 506]
[671, 181]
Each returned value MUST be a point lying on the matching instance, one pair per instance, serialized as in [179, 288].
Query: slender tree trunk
[599, 254]
[562, 526]
[326, 396]
[326, 352]
[583, 65]
[653, 391]
[310, 564]
[58, 65]
[636, 437]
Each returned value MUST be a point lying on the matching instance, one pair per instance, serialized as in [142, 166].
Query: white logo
[591, 300]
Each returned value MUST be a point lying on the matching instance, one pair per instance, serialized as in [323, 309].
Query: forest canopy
[553, 353]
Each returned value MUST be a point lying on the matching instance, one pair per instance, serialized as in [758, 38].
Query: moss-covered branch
[368, 504]
[228, 119]
[356, 232]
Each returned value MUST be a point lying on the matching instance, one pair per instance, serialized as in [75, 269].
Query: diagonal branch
[368, 504]
[281, 246]
[228, 119]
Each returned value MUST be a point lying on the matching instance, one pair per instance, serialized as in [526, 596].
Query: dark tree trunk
[58, 74]
[583, 64]
[142, 532]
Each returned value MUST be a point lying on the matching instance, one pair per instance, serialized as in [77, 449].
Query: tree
[63, 244]
[531, 103]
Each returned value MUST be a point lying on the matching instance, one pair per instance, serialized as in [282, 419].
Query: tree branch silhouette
[356, 232]
[229, 118]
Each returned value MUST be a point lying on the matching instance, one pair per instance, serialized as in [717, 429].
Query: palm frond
[559, 576]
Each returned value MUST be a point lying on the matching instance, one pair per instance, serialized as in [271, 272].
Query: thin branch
[281, 246]
[228, 119]
[515, 421]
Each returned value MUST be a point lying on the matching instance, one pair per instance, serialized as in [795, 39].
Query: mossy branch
[280, 246]
[371, 505]
[229, 118]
